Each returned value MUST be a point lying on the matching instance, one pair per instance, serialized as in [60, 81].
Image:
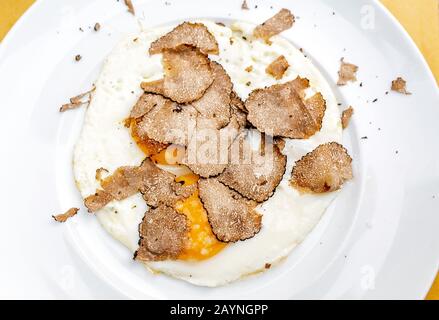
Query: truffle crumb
[347, 73]
[97, 27]
[99, 173]
[130, 6]
[278, 67]
[346, 117]
[65, 216]
[281, 21]
[77, 101]
[399, 85]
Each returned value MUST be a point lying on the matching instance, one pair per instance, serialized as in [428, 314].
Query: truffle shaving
[348, 72]
[346, 117]
[281, 21]
[99, 173]
[124, 182]
[207, 154]
[215, 103]
[280, 142]
[167, 121]
[159, 186]
[156, 86]
[400, 85]
[163, 233]
[97, 201]
[193, 34]
[156, 185]
[78, 101]
[67, 215]
[231, 216]
[254, 172]
[323, 170]
[130, 6]
[280, 110]
[237, 110]
[236, 102]
[146, 144]
[278, 67]
[145, 103]
[316, 106]
[187, 75]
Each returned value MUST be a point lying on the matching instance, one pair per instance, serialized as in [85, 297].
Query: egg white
[288, 216]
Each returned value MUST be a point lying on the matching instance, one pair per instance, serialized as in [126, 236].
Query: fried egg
[287, 217]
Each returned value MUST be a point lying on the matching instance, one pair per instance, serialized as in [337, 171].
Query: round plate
[377, 240]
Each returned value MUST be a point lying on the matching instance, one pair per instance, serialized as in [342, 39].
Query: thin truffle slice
[278, 67]
[167, 121]
[163, 233]
[187, 75]
[348, 72]
[159, 186]
[156, 185]
[207, 154]
[97, 201]
[316, 106]
[400, 85]
[67, 215]
[99, 173]
[323, 170]
[78, 101]
[156, 86]
[254, 172]
[281, 21]
[237, 110]
[231, 216]
[145, 103]
[346, 117]
[236, 102]
[280, 110]
[280, 142]
[124, 182]
[146, 144]
[215, 103]
[130, 6]
[193, 34]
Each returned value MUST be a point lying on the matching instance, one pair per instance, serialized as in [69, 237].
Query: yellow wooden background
[419, 17]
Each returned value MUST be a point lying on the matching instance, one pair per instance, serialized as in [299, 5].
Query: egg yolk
[202, 243]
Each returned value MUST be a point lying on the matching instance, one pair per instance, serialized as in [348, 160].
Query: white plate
[378, 240]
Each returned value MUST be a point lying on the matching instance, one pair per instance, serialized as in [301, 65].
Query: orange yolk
[202, 243]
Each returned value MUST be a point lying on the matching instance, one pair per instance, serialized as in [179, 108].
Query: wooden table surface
[419, 17]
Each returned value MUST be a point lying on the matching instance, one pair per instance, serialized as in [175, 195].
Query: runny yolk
[202, 243]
